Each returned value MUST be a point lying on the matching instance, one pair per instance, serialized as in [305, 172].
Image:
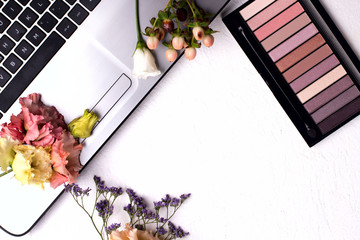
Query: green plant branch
[87, 213]
[192, 10]
[157, 18]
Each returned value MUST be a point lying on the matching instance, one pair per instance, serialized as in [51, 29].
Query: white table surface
[213, 128]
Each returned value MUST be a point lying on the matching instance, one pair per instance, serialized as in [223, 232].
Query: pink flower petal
[65, 157]
[57, 179]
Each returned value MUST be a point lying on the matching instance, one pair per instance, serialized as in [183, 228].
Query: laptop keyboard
[31, 33]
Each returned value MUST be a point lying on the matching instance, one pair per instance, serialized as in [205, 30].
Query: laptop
[78, 55]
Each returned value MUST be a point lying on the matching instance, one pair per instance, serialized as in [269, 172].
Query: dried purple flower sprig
[104, 204]
[141, 217]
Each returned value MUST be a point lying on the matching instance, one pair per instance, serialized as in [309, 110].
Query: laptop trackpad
[111, 96]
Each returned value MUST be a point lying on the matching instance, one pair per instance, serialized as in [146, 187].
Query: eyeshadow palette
[304, 59]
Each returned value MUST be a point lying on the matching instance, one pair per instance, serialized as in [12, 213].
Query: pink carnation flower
[40, 125]
[14, 129]
[132, 234]
[65, 160]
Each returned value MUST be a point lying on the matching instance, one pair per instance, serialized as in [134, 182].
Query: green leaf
[182, 4]
[162, 15]
[210, 31]
[172, 16]
[166, 44]
[192, 25]
[147, 31]
[203, 24]
[195, 45]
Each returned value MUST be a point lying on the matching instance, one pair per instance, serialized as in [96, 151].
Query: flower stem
[137, 21]
[91, 218]
[4, 173]
[196, 9]
[167, 5]
[192, 10]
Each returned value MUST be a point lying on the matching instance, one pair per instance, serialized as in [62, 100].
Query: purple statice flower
[116, 191]
[138, 201]
[112, 227]
[149, 214]
[104, 208]
[130, 209]
[183, 197]
[131, 193]
[166, 200]
[161, 231]
[158, 205]
[100, 185]
[176, 232]
[163, 220]
[140, 227]
[68, 187]
[175, 202]
[77, 190]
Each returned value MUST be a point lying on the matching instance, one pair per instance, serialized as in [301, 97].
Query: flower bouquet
[38, 147]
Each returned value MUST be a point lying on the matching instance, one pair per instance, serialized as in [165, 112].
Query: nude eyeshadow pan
[303, 69]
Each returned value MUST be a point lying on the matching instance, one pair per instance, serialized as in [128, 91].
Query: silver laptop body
[91, 71]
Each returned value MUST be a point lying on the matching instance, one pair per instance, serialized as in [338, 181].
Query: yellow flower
[32, 165]
[82, 126]
[6, 152]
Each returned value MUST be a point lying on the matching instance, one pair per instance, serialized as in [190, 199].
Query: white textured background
[213, 128]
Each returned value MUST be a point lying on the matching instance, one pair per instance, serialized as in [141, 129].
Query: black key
[78, 14]
[1, 3]
[16, 31]
[24, 49]
[30, 70]
[66, 28]
[40, 5]
[1, 58]
[35, 36]
[47, 22]
[12, 63]
[1, 115]
[12, 9]
[71, 2]
[90, 4]
[28, 17]
[59, 8]
[4, 23]
[23, 2]
[4, 77]
[6, 44]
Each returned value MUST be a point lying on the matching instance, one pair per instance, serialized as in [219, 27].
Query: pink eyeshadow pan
[340, 116]
[293, 42]
[304, 50]
[307, 63]
[321, 84]
[335, 104]
[254, 7]
[278, 21]
[328, 94]
[285, 32]
[271, 11]
[315, 73]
